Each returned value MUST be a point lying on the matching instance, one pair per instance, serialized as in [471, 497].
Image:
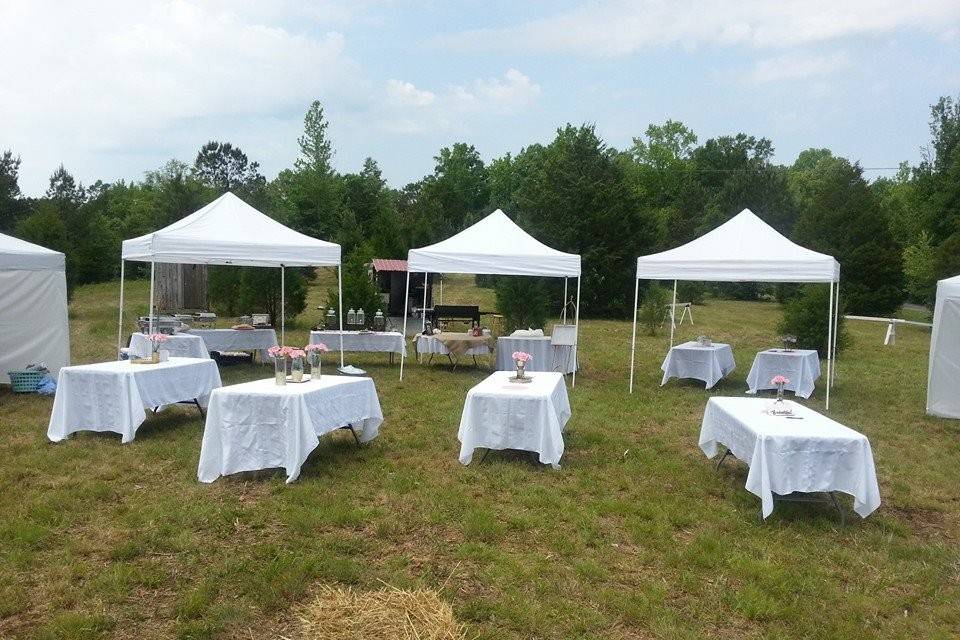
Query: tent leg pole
[673, 313]
[406, 303]
[423, 310]
[283, 306]
[836, 333]
[564, 312]
[150, 314]
[120, 320]
[576, 339]
[340, 303]
[829, 346]
[441, 290]
[633, 339]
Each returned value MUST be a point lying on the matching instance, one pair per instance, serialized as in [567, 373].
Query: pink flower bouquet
[780, 380]
[318, 346]
[522, 357]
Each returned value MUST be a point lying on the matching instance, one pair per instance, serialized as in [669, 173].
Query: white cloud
[795, 66]
[623, 27]
[405, 94]
[515, 91]
[411, 110]
[153, 77]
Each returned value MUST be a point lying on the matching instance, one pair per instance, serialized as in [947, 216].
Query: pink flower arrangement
[157, 338]
[779, 380]
[285, 352]
[522, 356]
[319, 346]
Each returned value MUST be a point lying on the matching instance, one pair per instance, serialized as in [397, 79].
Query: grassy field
[635, 537]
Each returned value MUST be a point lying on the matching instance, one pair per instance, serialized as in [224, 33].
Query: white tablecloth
[801, 366]
[505, 415]
[113, 396]
[238, 340]
[786, 455]
[430, 344]
[376, 341]
[181, 345]
[259, 425]
[546, 357]
[690, 360]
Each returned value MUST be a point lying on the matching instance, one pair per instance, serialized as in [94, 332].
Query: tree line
[894, 236]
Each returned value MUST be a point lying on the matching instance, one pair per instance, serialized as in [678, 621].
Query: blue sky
[115, 89]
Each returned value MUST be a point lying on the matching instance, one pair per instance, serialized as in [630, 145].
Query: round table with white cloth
[693, 360]
[181, 345]
[546, 356]
[800, 366]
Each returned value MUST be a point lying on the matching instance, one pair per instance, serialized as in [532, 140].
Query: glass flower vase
[296, 369]
[280, 370]
[521, 367]
[313, 358]
[780, 394]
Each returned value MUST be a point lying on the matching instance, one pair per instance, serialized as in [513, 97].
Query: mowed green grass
[635, 537]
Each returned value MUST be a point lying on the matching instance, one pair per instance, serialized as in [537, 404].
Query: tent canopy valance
[495, 245]
[230, 231]
[743, 249]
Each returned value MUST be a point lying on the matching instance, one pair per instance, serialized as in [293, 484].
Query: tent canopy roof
[495, 245]
[743, 249]
[20, 255]
[948, 287]
[230, 231]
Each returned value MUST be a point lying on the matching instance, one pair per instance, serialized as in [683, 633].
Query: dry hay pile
[388, 614]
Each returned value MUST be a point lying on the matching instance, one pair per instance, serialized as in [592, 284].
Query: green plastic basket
[25, 381]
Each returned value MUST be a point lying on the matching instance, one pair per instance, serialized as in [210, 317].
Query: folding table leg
[726, 452]
[199, 408]
[356, 438]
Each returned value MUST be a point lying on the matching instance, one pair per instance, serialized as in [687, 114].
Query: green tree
[12, 206]
[316, 150]
[840, 216]
[573, 195]
[223, 167]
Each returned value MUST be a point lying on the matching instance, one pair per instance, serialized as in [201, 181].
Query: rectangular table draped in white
[372, 341]
[223, 340]
[499, 414]
[181, 345]
[261, 425]
[800, 366]
[810, 454]
[431, 344]
[692, 360]
[113, 396]
[546, 356]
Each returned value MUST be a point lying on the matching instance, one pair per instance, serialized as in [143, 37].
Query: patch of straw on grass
[388, 613]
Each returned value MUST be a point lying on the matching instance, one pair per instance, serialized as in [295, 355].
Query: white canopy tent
[943, 374]
[33, 307]
[743, 249]
[495, 245]
[228, 231]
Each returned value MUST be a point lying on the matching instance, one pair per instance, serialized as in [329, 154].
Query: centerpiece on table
[279, 355]
[704, 341]
[313, 352]
[156, 340]
[779, 407]
[789, 342]
[520, 359]
[297, 357]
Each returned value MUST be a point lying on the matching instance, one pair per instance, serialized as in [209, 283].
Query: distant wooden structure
[390, 277]
[181, 286]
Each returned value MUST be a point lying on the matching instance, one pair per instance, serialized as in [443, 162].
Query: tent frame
[576, 320]
[283, 301]
[833, 319]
